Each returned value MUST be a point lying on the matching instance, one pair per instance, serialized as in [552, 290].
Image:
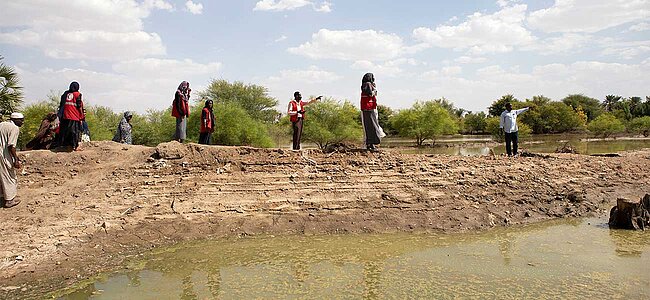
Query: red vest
[295, 106]
[368, 102]
[70, 109]
[210, 123]
[184, 106]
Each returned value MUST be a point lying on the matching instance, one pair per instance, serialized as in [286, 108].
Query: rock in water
[628, 214]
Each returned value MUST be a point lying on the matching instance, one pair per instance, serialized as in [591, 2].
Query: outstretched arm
[519, 111]
[313, 100]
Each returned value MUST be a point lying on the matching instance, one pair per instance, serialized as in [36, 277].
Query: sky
[131, 55]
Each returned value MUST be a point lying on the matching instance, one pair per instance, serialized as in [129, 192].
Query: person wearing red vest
[71, 110]
[296, 111]
[369, 116]
[181, 110]
[207, 124]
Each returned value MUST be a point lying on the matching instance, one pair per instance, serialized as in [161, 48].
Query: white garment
[508, 120]
[8, 181]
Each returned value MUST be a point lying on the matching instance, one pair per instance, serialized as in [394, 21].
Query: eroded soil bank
[84, 213]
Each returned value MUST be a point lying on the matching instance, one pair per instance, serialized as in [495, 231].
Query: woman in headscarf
[123, 132]
[181, 110]
[46, 134]
[369, 116]
[71, 114]
[207, 124]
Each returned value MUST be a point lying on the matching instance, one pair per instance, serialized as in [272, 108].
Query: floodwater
[481, 145]
[568, 259]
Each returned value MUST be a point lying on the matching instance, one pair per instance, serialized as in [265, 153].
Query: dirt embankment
[86, 212]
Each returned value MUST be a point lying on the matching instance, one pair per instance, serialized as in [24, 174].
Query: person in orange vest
[207, 124]
[181, 110]
[296, 111]
[71, 110]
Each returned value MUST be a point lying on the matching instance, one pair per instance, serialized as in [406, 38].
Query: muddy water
[561, 259]
[481, 145]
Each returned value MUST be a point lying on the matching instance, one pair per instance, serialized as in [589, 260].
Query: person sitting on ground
[508, 124]
[9, 161]
[85, 130]
[71, 115]
[207, 124]
[123, 132]
[46, 134]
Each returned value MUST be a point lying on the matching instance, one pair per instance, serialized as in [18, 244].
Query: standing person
[9, 162]
[181, 110]
[46, 134]
[369, 115]
[296, 111]
[85, 130]
[123, 132]
[508, 124]
[71, 110]
[207, 124]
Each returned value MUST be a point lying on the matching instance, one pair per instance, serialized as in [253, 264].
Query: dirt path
[87, 212]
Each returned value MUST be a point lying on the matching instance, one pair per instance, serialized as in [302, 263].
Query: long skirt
[70, 133]
[205, 138]
[181, 128]
[371, 129]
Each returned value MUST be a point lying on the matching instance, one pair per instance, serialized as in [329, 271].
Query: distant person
[296, 111]
[123, 132]
[71, 114]
[10, 162]
[508, 124]
[85, 130]
[207, 124]
[181, 110]
[44, 138]
[369, 115]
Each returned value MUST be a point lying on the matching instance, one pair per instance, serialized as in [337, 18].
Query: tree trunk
[628, 214]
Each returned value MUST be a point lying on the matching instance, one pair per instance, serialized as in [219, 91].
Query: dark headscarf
[368, 86]
[183, 87]
[207, 102]
[74, 87]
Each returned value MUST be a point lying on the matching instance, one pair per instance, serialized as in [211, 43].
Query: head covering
[127, 114]
[74, 87]
[51, 116]
[368, 77]
[17, 115]
[297, 95]
[207, 102]
[184, 86]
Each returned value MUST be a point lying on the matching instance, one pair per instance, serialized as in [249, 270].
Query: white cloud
[102, 30]
[313, 74]
[627, 50]
[352, 45]
[470, 60]
[493, 33]
[391, 68]
[643, 26]
[503, 3]
[568, 43]
[284, 5]
[281, 38]
[588, 15]
[194, 8]
[123, 89]
[91, 45]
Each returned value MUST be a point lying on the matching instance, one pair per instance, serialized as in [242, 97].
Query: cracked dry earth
[87, 212]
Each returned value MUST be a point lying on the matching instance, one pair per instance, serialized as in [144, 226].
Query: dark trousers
[70, 133]
[512, 143]
[297, 133]
[205, 138]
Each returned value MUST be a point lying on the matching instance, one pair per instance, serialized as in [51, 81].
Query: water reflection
[552, 260]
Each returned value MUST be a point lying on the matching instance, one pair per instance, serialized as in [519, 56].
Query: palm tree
[611, 101]
[11, 94]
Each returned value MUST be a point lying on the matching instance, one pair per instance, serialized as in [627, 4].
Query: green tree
[475, 122]
[329, 121]
[11, 93]
[254, 99]
[385, 114]
[425, 120]
[591, 107]
[556, 117]
[102, 122]
[606, 125]
[235, 127]
[640, 125]
[493, 127]
[153, 128]
[499, 105]
[611, 101]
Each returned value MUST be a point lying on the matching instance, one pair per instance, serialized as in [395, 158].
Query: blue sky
[131, 55]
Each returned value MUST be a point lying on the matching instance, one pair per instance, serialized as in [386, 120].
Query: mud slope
[88, 211]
